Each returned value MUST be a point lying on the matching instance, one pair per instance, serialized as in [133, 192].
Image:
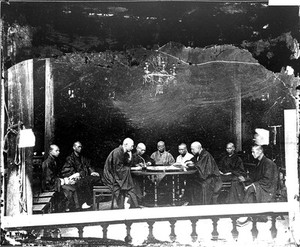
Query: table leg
[155, 191]
[144, 186]
[173, 190]
[178, 186]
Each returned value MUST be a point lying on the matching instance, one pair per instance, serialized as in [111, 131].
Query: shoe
[85, 206]
[240, 223]
[185, 203]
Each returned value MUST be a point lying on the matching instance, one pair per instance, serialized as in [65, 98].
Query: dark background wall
[128, 33]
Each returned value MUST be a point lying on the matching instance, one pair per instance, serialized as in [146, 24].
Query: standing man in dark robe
[203, 187]
[117, 175]
[232, 170]
[79, 173]
[52, 181]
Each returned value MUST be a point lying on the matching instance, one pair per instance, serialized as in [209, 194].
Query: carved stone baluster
[104, 230]
[172, 234]
[215, 233]
[273, 228]
[128, 237]
[150, 235]
[234, 231]
[80, 231]
[194, 234]
[254, 228]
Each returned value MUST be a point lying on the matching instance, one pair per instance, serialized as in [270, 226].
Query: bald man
[79, 173]
[53, 181]
[161, 156]
[204, 186]
[51, 171]
[117, 175]
[140, 158]
[232, 170]
[184, 155]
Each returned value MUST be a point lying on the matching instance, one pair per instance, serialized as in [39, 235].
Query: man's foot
[242, 223]
[126, 203]
[85, 206]
[185, 203]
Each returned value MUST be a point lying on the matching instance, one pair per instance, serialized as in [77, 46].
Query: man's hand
[246, 187]
[95, 174]
[189, 164]
[75, 176]
[241, 179]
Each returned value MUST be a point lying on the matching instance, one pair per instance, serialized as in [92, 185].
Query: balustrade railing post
[128, 237]
[194, 234]
[172, 234]
[254, 228]
[80, 231]
[215, 234]
[150, 237]
[104, 230]
[234, 231]
[273, 228]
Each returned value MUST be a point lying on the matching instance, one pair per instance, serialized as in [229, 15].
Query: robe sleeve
[68, 168]
[238, 167]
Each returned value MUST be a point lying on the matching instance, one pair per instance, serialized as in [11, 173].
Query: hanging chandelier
[159, 77]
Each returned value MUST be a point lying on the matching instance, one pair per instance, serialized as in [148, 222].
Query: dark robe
[50, 175]
[137, 159]
[117, 176]
[84, 186]
[66, 194]
[206, 181]
[233, 164]
[265, 180]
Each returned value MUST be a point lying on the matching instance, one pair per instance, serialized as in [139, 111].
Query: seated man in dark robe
[79, 173]
[140, 158]
[51, 180]
[117, 175]
[203, 187]
[232, 170]
[264, 182]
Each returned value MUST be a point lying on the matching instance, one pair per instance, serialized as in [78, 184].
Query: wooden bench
[100, 192]
[43, 202]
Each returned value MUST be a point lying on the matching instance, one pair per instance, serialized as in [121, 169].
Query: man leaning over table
[203, 186]
[142, 160]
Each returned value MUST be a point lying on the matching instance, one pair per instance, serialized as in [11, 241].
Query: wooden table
[156, 174]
